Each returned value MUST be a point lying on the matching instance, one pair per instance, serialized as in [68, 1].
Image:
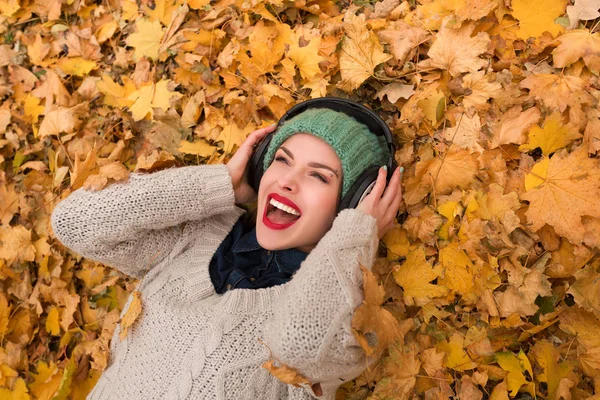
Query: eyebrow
[310, 164]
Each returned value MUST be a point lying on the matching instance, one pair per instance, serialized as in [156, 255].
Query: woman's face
[306, 175]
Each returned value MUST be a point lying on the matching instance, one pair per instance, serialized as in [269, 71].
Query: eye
[281, 159]
[319, 176]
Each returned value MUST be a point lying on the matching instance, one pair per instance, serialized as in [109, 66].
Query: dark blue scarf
[241, 263]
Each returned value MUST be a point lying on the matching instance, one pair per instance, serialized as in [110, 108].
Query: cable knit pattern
[190, 342]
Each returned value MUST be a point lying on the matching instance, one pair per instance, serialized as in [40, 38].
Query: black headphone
[374, 122]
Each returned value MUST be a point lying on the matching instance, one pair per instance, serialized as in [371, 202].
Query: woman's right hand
[383, 206]
[243, 192]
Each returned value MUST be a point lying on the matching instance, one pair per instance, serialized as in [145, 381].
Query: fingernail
[384, 167]
[401, 170]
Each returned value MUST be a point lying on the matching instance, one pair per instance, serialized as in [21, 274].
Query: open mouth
[278, 215]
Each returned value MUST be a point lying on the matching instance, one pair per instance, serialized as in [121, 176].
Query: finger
[379, 187]
[392, 189]
[260, 133]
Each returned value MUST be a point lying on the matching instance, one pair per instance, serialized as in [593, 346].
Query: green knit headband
[356, 146]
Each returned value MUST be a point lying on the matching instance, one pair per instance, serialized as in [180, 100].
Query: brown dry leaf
[591, 237]
[584, 327]
[16, 245]
[582, 10]
[456, 357]
[133, 311]
[146, 40]
[112, 172]
[513, 126]
[441, 174]
[479, 90]
[423, 225]
[577, 44]
[403, 39]
[285, 373]
[61, 120]
[466, 134]
[361, 52]
[401, 367]
[456, 51]
[557, 92]
[586, 289]
[568, 185]
[395, 91]
[373, 326]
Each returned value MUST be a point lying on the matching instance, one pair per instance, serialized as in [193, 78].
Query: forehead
[307, 147]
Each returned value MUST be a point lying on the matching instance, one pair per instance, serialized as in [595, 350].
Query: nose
[288, 181]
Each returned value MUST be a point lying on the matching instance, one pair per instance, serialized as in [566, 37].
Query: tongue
[278, 216]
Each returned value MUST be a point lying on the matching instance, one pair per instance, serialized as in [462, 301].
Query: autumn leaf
[77, 66]
[16, 244]
[516, 366]
[567, 184]
[556, 92]
[553, 136]
[547, 357]
[285, 373]
[584, 10]
[401, 367]
[61, 120]
[112, 172]
[456, 357]
[132, 313]
[456, 51]
[151, 96]
[146, 40]
[414, 277]
[537, 16]
[361, 53]
[514, 125]
[373, 326]
[586, 289]
[200, 148]
[584, 327]
[306, 58]
[577, 44]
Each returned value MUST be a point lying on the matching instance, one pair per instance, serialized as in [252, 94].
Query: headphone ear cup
[256, 164]
[361, 188]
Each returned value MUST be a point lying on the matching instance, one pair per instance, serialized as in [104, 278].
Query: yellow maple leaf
[553, 136]
[414, 276]
[561, 190]
[146, 40]
[200, 148]
[47, 381]
[306, 58]
[5, 310]
[373, 326]
[18, 392]
[232, 135]
[456, 51]
[458, 270]
[134, 310]
[433, 106]
[537, 16]
[114, 94]
[456, 356]
[577, 44]
[52, 322]
[361, 52]
[397, 243]
[38, 51]
[547, 357]
[448, 209]
[151, 96]
[162, 10]
[32, 108]
[515, 366]
[9, 7]
[77, 66]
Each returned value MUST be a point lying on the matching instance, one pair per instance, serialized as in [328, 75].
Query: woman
[217, 297]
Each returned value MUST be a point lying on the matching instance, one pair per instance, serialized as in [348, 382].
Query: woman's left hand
[237, 166]
[383, 206]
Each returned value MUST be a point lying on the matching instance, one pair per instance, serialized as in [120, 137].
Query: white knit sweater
[190, 342]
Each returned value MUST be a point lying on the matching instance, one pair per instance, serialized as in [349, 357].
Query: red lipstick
[282, 200]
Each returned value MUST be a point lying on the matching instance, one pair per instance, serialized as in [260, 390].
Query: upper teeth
[283, 207]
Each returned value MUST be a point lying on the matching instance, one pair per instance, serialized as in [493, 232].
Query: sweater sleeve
[133, 226]
[311, 326]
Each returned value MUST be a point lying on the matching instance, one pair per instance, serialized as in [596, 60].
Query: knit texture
[356, 146]
[190, 342]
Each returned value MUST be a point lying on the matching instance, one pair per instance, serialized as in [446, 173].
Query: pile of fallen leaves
[489, 285]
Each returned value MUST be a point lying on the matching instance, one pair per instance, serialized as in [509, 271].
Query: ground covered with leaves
[489, 286]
